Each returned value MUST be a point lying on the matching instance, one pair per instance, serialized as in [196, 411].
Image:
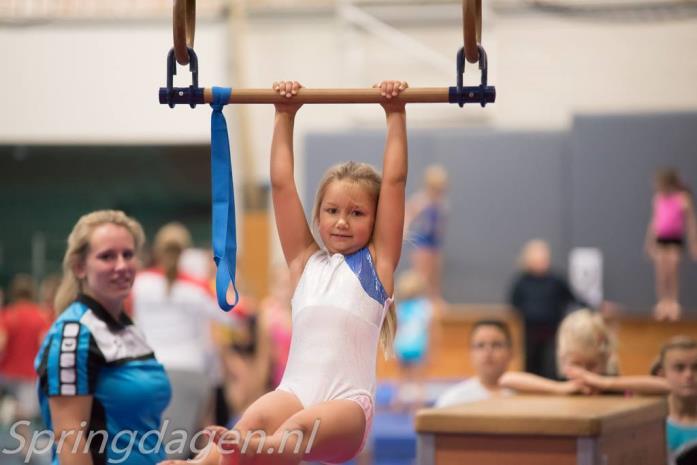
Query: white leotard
[337, 309]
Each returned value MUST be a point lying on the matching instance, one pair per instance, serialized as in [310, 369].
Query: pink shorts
[366, 404]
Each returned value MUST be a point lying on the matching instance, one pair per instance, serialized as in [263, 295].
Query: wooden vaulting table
[537, 430]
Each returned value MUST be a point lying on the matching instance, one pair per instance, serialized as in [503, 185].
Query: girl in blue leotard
[425, 225]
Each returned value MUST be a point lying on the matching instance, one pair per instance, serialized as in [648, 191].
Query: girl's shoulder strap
[362, 263]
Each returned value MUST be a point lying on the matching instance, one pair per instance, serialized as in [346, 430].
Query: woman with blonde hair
[97, 374]
[175, 311]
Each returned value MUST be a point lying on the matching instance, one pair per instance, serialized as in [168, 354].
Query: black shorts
[667, 241]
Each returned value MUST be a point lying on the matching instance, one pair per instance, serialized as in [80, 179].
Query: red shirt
[24, 324]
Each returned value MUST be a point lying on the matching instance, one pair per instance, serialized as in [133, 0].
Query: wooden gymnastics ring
[472, 28]
[184, 29]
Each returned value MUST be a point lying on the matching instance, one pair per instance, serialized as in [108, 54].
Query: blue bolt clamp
[482, 93]
[173, 95]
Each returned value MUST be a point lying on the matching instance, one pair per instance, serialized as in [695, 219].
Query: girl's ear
[79, 269]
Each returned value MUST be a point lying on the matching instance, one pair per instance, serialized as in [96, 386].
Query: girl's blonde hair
[435, 177]
[78, 248]
[170, 241]
[368, 177]
[585, 332]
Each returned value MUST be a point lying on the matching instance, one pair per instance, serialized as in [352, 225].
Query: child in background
[677, 363]
[672, 225]
[23, 325]
[542, 297]
[245, 352]
[414, 315]
[276, 321]
[425, 225]
[586, 358]
[490, 353]
[175, 311]
[47, 294]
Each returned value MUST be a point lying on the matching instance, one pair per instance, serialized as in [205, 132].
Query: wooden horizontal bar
[193, 96]
[410, 95]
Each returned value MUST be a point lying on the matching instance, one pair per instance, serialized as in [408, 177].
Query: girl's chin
[343, 250]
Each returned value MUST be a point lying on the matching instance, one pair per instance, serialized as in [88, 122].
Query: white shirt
[176, 323]
[470, 390]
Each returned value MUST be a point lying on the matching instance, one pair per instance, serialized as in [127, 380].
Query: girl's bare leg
[667, 260]
[329, 432]
[661, 269]
[438, 280]
[400, 400]
[262, 418]
[427, 262]
[673, 283]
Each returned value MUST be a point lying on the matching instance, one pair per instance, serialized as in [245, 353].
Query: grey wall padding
[613, 161]
[590, 186]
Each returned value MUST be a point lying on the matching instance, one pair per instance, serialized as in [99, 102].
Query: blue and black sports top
[88, 353]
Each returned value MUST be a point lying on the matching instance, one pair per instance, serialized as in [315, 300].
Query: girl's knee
[287, 444]
[252, 423]
[290, 435]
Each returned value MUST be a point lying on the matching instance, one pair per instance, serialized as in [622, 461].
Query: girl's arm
[634, 384]
[414, 206]
[70, 416]
[293, 230]
[389, 219]
[637, 384]
[529, 383]
[209, 455]
[691, 226]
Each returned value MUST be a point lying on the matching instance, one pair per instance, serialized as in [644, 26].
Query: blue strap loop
[223, 201]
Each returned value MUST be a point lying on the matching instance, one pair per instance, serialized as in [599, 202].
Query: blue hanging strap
[223, 200]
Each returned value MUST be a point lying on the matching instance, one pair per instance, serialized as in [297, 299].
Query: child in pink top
[672, 225]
